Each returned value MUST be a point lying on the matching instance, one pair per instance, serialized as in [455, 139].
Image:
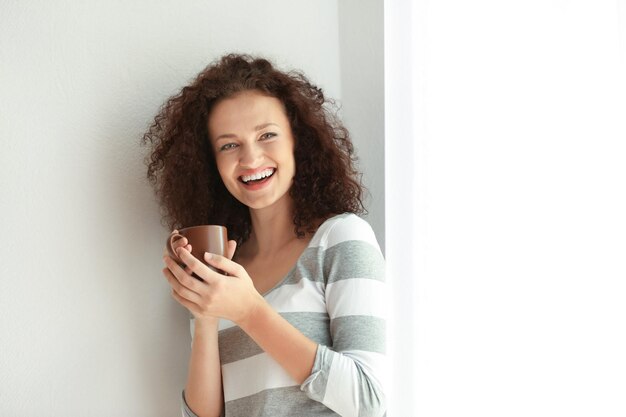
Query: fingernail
[208, 255]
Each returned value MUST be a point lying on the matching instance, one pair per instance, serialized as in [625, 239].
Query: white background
[87, 325]
[505, 206]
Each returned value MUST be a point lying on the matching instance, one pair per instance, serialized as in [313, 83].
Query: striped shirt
[335, 295]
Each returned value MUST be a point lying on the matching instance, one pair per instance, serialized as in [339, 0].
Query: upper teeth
[258, 175]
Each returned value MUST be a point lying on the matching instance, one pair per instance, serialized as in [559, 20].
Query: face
[253, 146]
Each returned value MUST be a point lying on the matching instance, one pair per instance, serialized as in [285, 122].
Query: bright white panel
[516, 144]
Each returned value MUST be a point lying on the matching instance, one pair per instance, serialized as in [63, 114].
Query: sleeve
[186, 411]
[347, 376]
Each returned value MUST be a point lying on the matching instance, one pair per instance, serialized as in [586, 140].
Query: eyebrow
[256, 129]
[264, 125]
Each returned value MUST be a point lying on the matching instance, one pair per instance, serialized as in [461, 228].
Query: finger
[179, 288]
[224, 264]
[192, 307]
[195, 265]
[183, 276]
[180, 243]
[167, 259]
[230, 250]
[165, 252]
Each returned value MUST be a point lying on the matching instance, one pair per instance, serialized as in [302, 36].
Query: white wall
[362, 97]
[87, 325]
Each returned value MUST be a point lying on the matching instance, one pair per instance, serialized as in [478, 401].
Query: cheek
[226, 169]
[223, 167]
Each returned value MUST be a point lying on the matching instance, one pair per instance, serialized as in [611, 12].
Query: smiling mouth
[258, 177]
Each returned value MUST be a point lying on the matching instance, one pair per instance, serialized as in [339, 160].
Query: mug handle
[170, 247]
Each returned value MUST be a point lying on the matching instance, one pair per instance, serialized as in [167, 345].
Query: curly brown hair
[182, 168]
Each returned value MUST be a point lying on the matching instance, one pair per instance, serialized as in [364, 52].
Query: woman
[295, 325]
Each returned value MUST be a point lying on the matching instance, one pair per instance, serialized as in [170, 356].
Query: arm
[347, 377]
[203, 391]
[203, 395]
[293, 351]
[234, 297]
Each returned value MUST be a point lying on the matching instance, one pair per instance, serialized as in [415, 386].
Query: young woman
[295, 326]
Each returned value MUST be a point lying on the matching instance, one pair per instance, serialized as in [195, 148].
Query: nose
[251, 156]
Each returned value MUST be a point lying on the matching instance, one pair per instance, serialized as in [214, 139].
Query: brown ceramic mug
[205, 238]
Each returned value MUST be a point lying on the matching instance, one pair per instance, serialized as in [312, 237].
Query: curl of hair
[181, 163]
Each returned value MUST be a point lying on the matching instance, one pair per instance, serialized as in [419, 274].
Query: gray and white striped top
[335, 295]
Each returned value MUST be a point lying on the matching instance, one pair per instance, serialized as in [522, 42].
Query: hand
[184, 243]
[232, 297]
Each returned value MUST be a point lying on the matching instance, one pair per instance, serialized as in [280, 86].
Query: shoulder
[344, 228]
[347, 249]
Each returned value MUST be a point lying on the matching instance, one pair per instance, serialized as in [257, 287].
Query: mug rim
[202, 225]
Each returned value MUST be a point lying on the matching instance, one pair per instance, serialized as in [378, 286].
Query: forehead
[244, 111]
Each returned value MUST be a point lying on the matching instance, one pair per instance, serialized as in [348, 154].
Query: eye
[228, 146]
[268, 135]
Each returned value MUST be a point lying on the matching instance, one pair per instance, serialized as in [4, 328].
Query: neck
[272, 229]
